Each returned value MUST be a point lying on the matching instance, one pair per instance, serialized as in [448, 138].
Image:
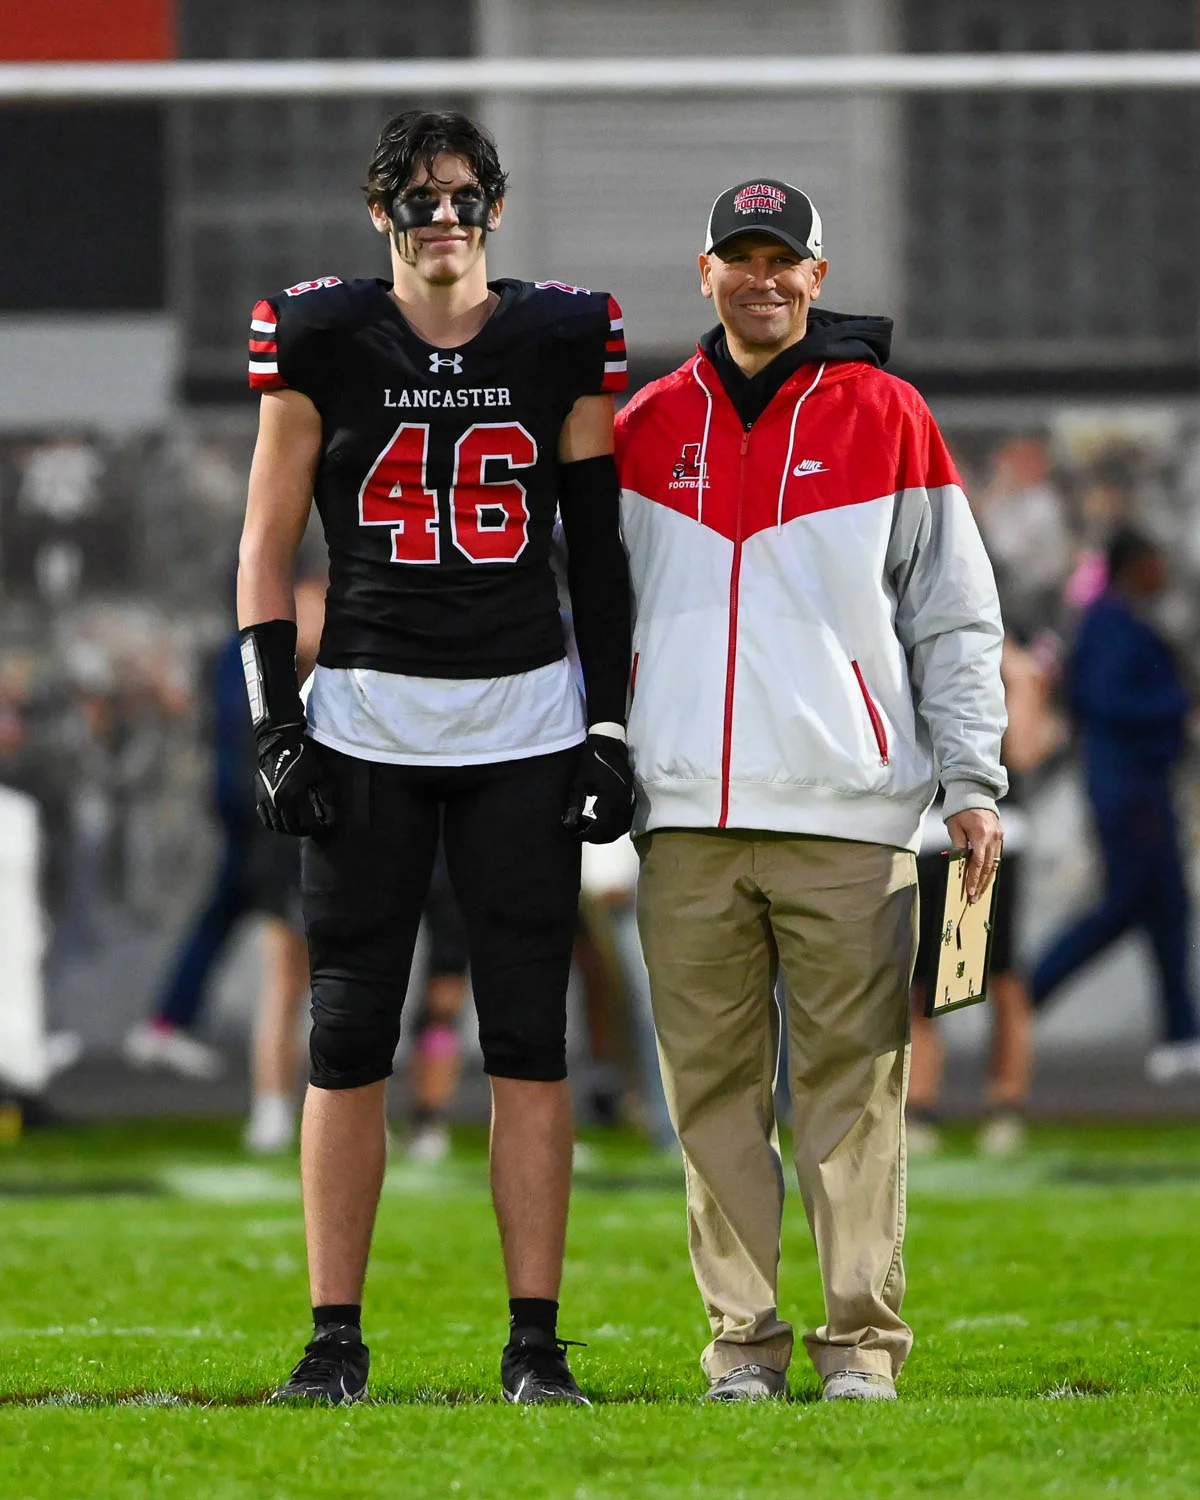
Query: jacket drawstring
[704, 440]
[787, 458]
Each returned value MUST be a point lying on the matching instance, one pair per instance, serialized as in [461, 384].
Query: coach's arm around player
[289, 793]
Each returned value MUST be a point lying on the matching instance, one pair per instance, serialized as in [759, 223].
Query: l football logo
[439, 362]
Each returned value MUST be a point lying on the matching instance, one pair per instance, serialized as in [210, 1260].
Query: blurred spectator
[259, 874]
[436, 1063]
[1023, 521]
[1128, 698]
[60, 522]
[607, 909]
[1035, 731]
[276, 1056]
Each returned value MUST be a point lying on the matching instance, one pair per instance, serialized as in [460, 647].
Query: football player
[440, 421]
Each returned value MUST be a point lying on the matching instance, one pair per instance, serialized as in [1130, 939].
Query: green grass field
[152, 1290]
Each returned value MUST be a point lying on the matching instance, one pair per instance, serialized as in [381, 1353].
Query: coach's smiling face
[762, 290]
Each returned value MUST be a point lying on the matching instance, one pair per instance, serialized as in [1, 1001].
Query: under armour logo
[809, 466]
[438, 362]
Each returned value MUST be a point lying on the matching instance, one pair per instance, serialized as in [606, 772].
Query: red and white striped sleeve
[264, 349]
[616, 367]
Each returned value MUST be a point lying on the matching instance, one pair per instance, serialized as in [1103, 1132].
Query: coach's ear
[816, 275]
[705, 281]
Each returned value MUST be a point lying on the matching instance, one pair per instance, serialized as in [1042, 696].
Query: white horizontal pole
[895, 73]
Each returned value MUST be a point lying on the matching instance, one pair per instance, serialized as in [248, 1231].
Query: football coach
[817, 645]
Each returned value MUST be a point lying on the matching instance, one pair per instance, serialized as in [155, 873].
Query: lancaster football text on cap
[769, 207]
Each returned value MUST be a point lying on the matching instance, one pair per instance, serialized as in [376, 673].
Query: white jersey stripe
[616, 324]
[264, 367]
[616, 367]
[259, 325]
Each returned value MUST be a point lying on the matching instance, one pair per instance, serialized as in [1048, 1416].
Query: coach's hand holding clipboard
[959, 964]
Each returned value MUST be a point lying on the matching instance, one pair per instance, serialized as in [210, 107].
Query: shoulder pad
[585, 315]
[284, 320]
[326, 303]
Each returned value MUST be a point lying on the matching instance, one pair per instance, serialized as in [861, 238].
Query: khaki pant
[719, 913]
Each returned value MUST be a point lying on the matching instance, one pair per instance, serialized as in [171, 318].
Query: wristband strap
[269, 664]
[613, 731]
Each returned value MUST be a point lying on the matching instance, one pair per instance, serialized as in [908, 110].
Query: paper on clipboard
[959, 966]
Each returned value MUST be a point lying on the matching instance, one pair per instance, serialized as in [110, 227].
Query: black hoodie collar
[829, 336]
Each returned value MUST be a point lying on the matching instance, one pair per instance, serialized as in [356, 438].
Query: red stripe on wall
[87, 31]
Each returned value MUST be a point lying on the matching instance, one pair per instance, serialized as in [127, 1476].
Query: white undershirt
[441, 721]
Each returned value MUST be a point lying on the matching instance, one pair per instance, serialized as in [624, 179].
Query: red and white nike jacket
[817, 638]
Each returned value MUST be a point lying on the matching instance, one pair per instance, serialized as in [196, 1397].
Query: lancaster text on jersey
[471, 395]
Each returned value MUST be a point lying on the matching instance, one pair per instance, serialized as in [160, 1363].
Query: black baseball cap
[769, 207]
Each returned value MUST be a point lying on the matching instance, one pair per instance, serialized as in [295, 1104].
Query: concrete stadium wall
[615, 193]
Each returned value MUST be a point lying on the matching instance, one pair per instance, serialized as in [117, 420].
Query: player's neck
[445, 316]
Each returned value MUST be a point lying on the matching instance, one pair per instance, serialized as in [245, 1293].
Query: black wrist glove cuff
[269, 662]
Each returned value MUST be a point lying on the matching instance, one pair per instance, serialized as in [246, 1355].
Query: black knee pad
[349, 1055]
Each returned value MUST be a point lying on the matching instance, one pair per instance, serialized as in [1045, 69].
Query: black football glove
[600, 804]
[288, 789]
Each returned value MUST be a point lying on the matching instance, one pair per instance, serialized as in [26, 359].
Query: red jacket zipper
[735, 574]
[873, 714]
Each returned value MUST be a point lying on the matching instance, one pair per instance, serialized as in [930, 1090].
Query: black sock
[538, 1313]
[347, 1314]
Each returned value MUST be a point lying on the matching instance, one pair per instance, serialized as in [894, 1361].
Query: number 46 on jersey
[489, 519]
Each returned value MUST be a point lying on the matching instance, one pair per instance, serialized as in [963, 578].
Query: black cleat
[333, 1370]
[534, 1370]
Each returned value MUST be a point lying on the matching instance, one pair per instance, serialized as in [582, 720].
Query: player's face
[438, 221]
[761, 289]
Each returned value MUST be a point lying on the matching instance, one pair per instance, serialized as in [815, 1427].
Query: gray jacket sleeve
[948, 621]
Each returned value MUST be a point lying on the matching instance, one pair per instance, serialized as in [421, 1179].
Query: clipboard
[960, 965]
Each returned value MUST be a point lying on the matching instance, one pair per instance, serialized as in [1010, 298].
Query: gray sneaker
[857, 1385]
[747, 1383]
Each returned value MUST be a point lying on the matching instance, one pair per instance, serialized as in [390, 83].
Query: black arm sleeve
[598, 580]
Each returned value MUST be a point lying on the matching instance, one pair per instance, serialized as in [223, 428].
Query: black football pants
[515, 871]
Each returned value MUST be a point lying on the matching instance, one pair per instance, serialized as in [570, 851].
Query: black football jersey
[437, 480]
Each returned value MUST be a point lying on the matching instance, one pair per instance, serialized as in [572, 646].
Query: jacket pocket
[876, 718]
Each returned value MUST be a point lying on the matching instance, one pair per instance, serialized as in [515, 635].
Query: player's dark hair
[417, 138]
[1126, 547]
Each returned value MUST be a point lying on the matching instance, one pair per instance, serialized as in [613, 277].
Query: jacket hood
[832, 336]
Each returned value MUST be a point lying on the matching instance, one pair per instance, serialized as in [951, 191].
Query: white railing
[893, 73]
